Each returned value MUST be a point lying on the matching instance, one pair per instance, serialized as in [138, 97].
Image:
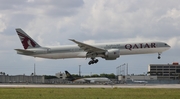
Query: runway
[91, 86]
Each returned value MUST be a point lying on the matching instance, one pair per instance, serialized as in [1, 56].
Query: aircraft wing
[87, 47]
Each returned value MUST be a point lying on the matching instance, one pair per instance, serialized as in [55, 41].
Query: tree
[95, 75]
[49, 77]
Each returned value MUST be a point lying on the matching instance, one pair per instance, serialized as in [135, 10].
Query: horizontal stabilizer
[24, 51]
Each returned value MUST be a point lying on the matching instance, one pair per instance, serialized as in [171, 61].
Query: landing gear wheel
[159, 55]
[89, 63]
[93, 61]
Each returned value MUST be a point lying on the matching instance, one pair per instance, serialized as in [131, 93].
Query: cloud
[173, 13]
[2, 23]
[122, 20]
[89, 42]
[52, 22]
[174, 42]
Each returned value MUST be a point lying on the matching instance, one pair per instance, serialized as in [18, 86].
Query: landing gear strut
[159, 55]
[92, 61]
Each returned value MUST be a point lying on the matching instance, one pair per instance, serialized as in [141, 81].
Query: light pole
[123, 69]
[119, 70]
[144, 75]
[127, 69]
[34, 69]
[79, 70]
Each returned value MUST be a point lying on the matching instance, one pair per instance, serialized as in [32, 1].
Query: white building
[134, 77]
[165, 71]
[21, 79]
[61, 75]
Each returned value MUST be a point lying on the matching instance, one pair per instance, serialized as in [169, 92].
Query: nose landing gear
[159, 55]
[93, 60]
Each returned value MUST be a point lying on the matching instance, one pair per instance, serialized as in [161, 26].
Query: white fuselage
[139, 81]
[74, 51]
[92, 80]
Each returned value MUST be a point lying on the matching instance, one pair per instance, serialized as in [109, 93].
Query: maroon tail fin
[26, 40]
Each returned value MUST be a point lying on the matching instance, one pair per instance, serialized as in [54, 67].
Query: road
[90, 86]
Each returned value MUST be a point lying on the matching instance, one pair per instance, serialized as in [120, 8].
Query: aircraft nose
[168, 45]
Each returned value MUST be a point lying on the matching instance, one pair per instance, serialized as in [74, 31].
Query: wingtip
[18, 29]
[71, 39]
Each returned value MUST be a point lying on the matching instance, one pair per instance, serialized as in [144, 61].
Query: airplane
[108, 51]
[86, 80]
[139, 81]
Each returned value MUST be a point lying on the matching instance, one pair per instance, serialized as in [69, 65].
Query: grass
[88, 93]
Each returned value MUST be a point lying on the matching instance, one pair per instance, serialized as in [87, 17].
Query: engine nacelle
[112, 54]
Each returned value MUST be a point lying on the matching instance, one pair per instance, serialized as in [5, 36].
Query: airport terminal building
[29, 79]
[165, 71]
[21, 79]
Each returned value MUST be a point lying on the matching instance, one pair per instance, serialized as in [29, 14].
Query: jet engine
[112, 54]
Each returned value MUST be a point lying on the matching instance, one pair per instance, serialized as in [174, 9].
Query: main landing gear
[92, 61]
[159, 55]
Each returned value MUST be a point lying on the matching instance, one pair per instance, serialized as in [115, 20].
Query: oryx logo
[67, 74]
[26, 41]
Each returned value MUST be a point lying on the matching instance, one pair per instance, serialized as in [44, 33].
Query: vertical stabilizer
[26, 40]
[69, 76]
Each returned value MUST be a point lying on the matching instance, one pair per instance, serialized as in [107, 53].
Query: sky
[53, 22]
